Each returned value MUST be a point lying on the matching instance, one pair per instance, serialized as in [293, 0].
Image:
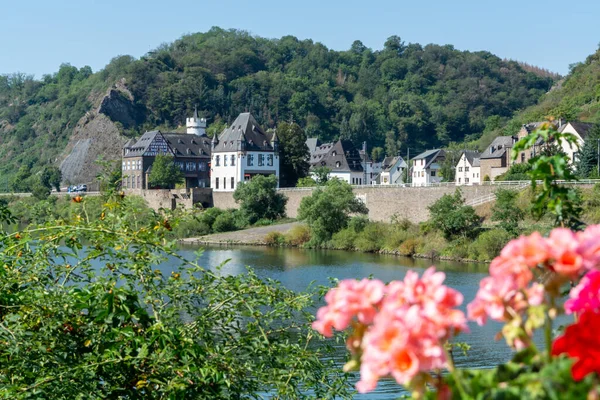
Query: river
[298, 268]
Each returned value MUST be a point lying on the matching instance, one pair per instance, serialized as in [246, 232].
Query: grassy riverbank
[425, 240]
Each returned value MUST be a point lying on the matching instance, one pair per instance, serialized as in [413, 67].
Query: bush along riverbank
[454, 231]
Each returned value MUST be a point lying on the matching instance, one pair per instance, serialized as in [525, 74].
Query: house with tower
[243, 150]
[190, 152]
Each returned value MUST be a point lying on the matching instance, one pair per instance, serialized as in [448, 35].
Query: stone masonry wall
[383, 203]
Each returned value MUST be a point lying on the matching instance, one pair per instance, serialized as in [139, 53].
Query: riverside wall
[383, 202]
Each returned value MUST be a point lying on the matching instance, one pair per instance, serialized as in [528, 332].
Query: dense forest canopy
[577, 97]
[405, 95]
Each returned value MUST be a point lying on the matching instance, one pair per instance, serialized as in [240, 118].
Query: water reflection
[298, 268]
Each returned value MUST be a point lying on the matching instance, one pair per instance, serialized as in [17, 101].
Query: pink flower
[589, 246]
[435, 300]
[501, 299]
[528, 250]
[515, 267]
[586, 295]
[564, 248]
[400, 329]
[351, 299]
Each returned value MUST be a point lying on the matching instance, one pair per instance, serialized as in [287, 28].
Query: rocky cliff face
[97, 136]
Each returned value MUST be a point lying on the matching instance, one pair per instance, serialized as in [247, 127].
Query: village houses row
[244, 150]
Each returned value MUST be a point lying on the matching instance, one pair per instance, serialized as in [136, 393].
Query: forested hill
[577, 97]
[404, 95]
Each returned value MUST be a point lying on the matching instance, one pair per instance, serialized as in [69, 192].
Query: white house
[468, 168]
[342, 159]
[426, 167]
[241, 151]
[392, 170]
[581, 130]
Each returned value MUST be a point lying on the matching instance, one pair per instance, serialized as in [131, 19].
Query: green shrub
[209, 216]
[224, 223]
[263, 222]
[298, 235]
[395, 238]
[240, 219]
[453, 218]
[409, 247]
[432, 245]
[191, 227]
[489, 244]
[344, 239]
[275, 238]
[372, 238]
[458, 249]
[358, 223]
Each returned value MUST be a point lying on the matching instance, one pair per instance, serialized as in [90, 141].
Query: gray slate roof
[431, 156]
[188, 145]
[582, 128]
[498, 147]
[245, 129]
[340, 156]
[473, 157]
[389, 162]
[179, 144]
[141, 145]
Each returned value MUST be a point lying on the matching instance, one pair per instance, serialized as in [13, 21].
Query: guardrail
[453, 184]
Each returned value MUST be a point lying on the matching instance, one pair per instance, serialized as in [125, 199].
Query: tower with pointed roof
[242, 151]
[195, 125]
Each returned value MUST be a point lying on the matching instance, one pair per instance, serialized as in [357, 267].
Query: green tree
[453, 218]
[377, 154]
[548, 167]
[90, 310]
[51, 177]
[259, 198]
[587, 164]
[306, 182]
[506, 211]
[110, 176]
[165, 173]
[321, 175]
[328, 210]
[21, 181]
[39, 190]
[517, 172]
[293, 153]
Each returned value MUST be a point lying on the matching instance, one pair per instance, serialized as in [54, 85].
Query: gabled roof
[498, 147]
[187, 145]
[390, 162]
[340, 156]
[472, 157]
[142, 145]
[244, 129]
[431, 156]
[178, 144]
[582, 128]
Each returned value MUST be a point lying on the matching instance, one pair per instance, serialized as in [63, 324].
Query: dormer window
[338, 164]
[334, 153]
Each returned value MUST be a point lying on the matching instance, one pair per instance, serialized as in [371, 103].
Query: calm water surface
[298, 268]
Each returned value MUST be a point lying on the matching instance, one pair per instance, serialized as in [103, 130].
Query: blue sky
[36, 36]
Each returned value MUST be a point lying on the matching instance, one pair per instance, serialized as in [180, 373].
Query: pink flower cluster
[508, 292]
[400, 329]
[586, 295]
